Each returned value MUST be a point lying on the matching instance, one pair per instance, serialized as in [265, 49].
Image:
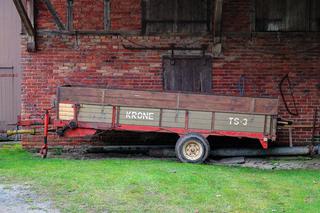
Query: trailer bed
[181, 113]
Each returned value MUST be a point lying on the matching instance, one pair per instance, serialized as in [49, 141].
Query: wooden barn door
[10, 29]
[188, 74]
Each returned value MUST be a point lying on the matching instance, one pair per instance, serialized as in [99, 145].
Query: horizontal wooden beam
[168, 100]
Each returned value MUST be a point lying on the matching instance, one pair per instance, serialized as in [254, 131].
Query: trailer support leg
[44, 149]
[264, 143]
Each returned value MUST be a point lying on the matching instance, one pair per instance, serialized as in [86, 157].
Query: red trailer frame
[76, 102]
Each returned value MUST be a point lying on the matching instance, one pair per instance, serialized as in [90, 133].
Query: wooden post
[217, 47]
[31, 45]
[27, 19]
[70, 15]
[106, 15]
[290, 137]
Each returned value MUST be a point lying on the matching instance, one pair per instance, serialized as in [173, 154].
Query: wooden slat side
[65, 113]
[199, 120]
[139, 116]
[173, 118]
[95, 113]
[239, 122]
[167, 100]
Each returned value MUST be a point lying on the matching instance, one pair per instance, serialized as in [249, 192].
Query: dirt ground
[20, 198]
[272, 163]
[269, 163]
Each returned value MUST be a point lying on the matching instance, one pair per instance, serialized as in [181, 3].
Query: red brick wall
[88, 15]
[262, 58]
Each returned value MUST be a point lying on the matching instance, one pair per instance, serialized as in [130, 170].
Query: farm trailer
[82, 111]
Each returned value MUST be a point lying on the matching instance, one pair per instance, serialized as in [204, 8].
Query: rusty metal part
[286, 77]
[282, 122]
[71, 125]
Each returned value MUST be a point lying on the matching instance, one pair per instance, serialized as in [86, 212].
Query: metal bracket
[7, 68]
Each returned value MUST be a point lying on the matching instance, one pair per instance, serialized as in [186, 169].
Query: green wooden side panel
[139, 116]
[95, 113]
[173, 118]
[200, 120]
[239, 122]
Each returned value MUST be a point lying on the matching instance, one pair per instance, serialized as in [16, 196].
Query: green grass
[128, 185]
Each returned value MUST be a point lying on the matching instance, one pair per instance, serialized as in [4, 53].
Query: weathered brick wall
[262, 58]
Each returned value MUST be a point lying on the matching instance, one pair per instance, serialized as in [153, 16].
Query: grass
[128, 185]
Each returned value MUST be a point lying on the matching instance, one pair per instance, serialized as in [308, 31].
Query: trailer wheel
[192, 148]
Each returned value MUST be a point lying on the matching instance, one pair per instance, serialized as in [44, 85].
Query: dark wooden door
[188, 74]
[9, 64]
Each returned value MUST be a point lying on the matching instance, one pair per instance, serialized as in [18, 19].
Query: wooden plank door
[9, 64]
[188, 74]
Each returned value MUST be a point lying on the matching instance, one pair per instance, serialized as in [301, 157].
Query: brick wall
[92, 60]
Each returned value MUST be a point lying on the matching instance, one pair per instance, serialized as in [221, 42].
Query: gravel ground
[21, 199]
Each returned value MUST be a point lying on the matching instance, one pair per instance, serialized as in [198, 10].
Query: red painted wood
[79, 132]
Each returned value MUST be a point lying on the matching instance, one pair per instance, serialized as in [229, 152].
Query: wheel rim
[192, 150]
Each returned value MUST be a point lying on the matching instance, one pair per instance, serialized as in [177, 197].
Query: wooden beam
[27, 19]
[217, 27]
[217, 20]
[106, 15]
[31, 45]
[143, 17]
[24, 17]
[54, 14]
[70, 15]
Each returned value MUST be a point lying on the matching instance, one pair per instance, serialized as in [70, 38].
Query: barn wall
[261, 58]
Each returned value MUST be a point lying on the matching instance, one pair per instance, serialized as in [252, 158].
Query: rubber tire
[192, 136]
